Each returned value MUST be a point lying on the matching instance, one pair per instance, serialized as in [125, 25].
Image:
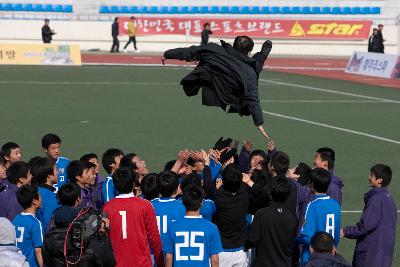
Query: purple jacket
[244, 161]
[376, 231]
[9, 206]
[96, 192]
[335, 188]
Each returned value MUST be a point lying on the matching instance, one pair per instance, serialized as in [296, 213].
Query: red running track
[331, 68]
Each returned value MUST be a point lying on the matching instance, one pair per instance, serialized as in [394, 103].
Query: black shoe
[266, 47]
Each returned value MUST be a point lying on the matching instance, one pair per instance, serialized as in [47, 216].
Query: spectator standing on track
[205, 34]
[114, 34]
[132, 34]
[374, 42]
[47, 33]
[381, 40]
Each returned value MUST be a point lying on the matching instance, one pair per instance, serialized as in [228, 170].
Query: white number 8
[193, 244]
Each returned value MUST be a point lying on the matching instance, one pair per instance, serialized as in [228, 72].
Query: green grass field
[144, 110]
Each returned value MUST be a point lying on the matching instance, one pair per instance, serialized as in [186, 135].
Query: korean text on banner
[374, 64]
[40, 54]
[258, 28]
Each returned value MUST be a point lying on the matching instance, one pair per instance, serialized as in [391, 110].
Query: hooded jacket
[226, 76]
[10, 255]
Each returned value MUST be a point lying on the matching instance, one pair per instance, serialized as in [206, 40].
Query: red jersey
[133, 226]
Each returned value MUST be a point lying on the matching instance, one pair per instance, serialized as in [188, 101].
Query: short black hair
[259, 152]
[190, 179]
[243, 44]
[206, 24]
[327, 154]
[76, 168]
[115, 19]
[26, 194]
[304, 172]
[168, 166]
[124, 180]
[260, 177]
[32, 165]
[17, 170]
[168, 183]
[6, 150]
[382, 171]
[133, 17]
[322, 242]
[281, 191]
[280, 162]
[126, 161]
[232, 178]
[46, 20]
[320, 180]
[149, 186]
[380, 25]
[41, 169]
[109, 158]
[69, 194]
[88, 157]
[50, 139]
[192, 198]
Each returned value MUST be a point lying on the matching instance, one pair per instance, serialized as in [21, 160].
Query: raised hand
[248, 145]
[271, 145]
[263, 132]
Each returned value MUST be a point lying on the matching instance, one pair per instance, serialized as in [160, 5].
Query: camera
[85, 228]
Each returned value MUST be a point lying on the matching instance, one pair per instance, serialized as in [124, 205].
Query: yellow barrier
[40, 54]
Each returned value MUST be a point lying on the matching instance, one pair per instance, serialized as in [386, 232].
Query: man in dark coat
[115, 33]
[374, 43]
[227, 75]
[381, 40]
[47, 33]
[205, 34]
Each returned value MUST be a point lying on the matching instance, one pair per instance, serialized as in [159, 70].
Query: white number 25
[189, 243]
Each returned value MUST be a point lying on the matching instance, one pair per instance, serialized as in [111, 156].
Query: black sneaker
[266, 47]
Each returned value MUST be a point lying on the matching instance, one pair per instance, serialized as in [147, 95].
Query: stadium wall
[97, 35]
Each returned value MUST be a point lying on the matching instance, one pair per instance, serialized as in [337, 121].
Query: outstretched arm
[188, 54]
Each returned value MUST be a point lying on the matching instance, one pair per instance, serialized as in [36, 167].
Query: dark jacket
[115, 29]
[381, 45]
[97, 252]
[9, 206]
[46, 34]
[205, 35]
[227, 77]
[374, 44]
[327, 260]
[376, 231]
[335, 188]
[273, 232]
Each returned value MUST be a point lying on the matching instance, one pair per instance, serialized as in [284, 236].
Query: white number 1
[20, 239]
[124, 232]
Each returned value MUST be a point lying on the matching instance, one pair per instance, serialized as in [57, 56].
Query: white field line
[329, 91]
[323, 101]
[89, 83]
[357, 211]
[333, 127]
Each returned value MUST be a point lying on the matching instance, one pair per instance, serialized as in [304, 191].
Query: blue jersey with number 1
[192, 241]
[29, 235]
[62, 164]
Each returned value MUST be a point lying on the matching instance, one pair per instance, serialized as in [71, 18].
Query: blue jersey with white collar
[322, 214]
[49, 205]
[62, 164]
[167, 210]
[192, 241]
[108, 190]
[29, 235]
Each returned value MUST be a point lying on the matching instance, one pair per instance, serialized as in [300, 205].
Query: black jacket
[115, 29]
[327, 260]
[374, 44]
[205, 34]
[273, 233]
[46, 34]
[227, 77]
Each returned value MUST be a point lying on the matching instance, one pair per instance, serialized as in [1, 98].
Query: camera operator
[77, 237]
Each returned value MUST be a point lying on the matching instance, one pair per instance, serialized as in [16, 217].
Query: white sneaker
[125, 51]
[137, 51]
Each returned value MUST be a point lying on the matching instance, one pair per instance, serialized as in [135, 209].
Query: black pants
[115, 44]
[132, 39]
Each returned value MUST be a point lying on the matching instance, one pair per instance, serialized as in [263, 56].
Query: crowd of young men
[214, 208]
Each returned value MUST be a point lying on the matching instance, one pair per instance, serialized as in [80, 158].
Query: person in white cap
[10, 255]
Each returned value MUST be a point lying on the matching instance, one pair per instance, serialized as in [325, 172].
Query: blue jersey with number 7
[192, 241]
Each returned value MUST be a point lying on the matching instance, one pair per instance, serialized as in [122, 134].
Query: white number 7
[124, 232]
[20, 239]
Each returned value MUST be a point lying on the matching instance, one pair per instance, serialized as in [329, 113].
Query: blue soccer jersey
[207, 209]
[322, 214]
[192, 241]
[108, 190]
[167, 210]
[62, 164]
[49, 205]
[29, 235]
